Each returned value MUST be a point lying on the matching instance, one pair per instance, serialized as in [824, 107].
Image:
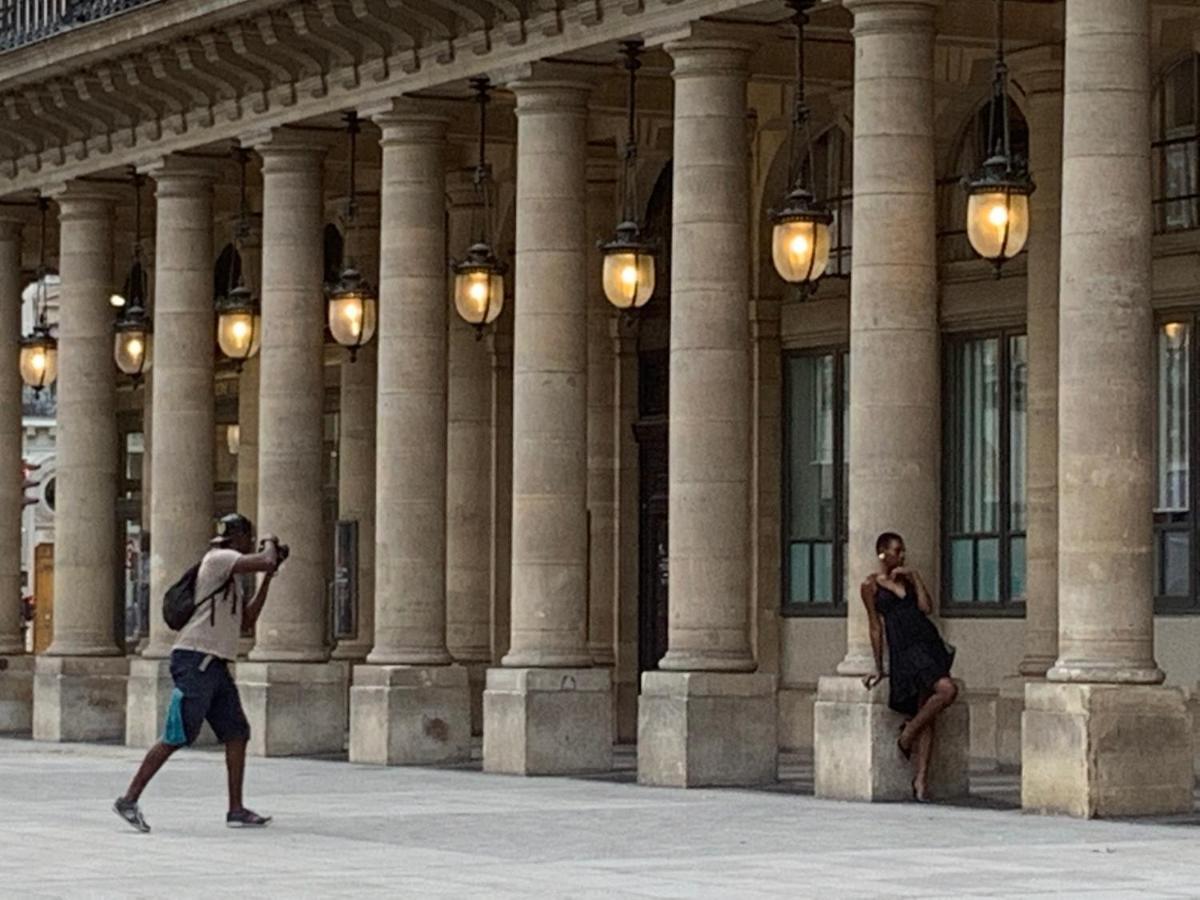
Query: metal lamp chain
[632, 64]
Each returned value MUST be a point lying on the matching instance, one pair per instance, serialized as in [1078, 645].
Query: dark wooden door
[652, 540]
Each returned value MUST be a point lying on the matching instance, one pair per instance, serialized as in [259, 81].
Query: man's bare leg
[155, 757]
[235, 767]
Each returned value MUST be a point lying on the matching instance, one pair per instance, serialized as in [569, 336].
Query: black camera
[281, 550]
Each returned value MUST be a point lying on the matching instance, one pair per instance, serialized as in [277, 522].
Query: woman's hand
[871, 680]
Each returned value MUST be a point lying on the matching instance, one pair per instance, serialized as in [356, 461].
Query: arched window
[335, 249]
[1176, 128]
[227, 271]
[831, 177]
[973, 149]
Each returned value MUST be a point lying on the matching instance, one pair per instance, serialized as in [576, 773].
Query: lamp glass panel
[800, 250]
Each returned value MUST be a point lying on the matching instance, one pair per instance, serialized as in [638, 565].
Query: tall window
[814, 468]
[1174, 526]
[1176, 164]
[985, 479]
[833, 183]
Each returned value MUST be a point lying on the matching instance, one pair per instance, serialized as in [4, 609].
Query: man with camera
[204, 688]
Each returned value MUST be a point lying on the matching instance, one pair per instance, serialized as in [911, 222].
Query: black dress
[917, 655]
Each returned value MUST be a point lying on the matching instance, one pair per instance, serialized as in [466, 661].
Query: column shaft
[11, 489]
[1106, 471]
[709, 430]
[410, 579]
[549, 530]
[182, 420]
[1044, 116]
[894, 375]
[468, 465]
[86, 446]
[291, 401]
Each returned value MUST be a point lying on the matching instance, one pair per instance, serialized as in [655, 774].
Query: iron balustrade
[24, 22]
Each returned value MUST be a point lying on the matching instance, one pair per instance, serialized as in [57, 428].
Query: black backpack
[179, 603]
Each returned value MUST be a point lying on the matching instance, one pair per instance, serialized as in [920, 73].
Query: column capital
[78, 199]
[277, 145]
[889, 16]
[176, 176]
[404, 120]
[550, 87]
[710, 51]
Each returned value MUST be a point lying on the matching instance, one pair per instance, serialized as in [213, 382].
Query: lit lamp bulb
[479, 287]
[1176, 334]
[628, 273]
[998, 210]
[800, 239]
[132, 341]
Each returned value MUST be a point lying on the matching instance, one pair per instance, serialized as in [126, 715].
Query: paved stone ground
[354, 831]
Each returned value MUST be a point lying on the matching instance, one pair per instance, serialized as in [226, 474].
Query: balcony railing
[28, 21]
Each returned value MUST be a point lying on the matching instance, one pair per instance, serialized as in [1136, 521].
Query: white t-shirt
[216, 631]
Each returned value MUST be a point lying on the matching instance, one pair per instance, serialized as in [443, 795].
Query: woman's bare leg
[923, 752]
[944, 693]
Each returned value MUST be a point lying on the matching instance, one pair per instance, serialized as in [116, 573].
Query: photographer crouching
[208, 607]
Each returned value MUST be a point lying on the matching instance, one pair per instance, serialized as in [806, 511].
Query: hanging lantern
[800, 234]
[132, 328]
[479, 277]
[479, 286]
[352, 301]
[998, 194]
[628, 273]
[38, 357]
[239, 319]
[239, 325]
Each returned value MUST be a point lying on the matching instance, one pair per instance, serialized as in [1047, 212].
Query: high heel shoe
[917, 798]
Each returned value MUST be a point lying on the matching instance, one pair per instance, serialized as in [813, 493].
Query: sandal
[918, 798]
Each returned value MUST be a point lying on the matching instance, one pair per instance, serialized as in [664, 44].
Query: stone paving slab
[354, 831]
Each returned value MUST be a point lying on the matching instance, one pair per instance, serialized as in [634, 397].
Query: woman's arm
[867, 591]
[924, 598]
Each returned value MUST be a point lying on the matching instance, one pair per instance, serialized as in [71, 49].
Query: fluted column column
[409, 682]
[16, 678]
[295, 700]
[356, 440]
[1041, 76]
[528, 712]
[895, 469]
[601, 408]
[1088, 729]
[468, 473]
[727, 731]
[84, 698]
[181, 419]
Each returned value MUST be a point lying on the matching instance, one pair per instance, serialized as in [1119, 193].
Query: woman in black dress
[898, 606]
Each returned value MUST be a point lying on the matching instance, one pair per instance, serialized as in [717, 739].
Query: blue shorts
[200, 694]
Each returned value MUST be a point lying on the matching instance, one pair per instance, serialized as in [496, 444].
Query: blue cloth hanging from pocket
[173, 733]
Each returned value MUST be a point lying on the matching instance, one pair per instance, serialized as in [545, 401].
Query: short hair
[884, 540]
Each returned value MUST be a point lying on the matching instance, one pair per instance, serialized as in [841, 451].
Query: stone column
[894, 471]
[79, 685]
[602, 211]
[181, 420]
[1041, 76]
[356, 441]
[547, 711]
[707, 718]
[1101, 736]
[468, 474]
[294, 697]
[16, 667]
[409, 705]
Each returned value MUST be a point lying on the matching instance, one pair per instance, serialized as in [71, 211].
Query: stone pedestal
[855, 752]
[1093, 750]
[1009, 707]
[295, 709]
[147, 697]
[476, 685]
[706, 729]
[410, 715]
[79, 698]
[547, 721]
[16, 694]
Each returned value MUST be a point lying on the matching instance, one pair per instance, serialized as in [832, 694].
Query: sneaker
[244, 818]
[131, 813]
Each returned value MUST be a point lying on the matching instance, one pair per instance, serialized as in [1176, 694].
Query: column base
[295, 708]
[148, 694]
[547, 721]
[855, 756]
[1093, 750]
[410, 715]
[625, 710]
[796, 716]
[16, 694]
[707, 729]
[79, 698]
